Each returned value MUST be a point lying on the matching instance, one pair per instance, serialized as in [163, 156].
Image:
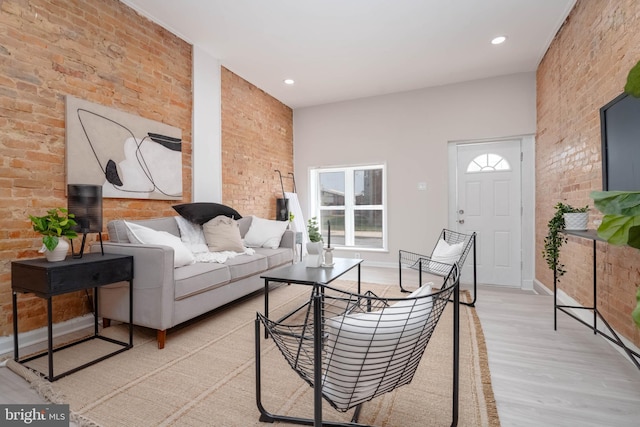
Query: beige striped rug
[205, 376]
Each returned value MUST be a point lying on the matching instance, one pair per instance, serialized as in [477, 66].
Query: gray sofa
[164, 296]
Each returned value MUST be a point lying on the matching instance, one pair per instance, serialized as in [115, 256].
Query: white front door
[489, 203]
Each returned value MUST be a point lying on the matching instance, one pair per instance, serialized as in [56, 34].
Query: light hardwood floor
[540, 377]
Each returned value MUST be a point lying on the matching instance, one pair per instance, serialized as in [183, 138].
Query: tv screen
[620, 128]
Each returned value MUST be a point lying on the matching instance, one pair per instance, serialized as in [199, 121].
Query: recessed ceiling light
[289, 81]
[498, 40]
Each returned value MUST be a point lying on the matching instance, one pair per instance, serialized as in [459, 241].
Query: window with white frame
[353, 200]
[488, 162]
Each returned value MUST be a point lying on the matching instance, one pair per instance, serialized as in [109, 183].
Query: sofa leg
[106, 322]
[162, 336]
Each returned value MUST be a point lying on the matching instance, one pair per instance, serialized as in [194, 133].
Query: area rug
[205, 376]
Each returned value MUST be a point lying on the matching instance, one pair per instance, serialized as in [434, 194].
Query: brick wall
[585, 67]
[257, 138]
[101, 51]
[106, 53]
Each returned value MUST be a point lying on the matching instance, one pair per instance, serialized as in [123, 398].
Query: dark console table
[612, 335]
[48, 279]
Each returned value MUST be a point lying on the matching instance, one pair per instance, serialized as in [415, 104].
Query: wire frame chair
[425, 264]
[352, 347]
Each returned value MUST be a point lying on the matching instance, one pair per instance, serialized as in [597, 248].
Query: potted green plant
[314, 245]
[57, 223]
[555, 239]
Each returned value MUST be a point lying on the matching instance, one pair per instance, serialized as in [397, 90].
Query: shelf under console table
[612, 335]
[48, 279]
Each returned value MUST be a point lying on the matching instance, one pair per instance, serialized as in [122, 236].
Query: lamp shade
[85, 202]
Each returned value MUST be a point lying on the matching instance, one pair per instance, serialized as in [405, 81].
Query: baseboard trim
[38, 337]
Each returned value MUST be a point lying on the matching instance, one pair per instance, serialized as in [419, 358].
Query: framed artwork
[130, 156]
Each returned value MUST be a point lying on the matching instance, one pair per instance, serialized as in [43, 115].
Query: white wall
[207, 128]
[409, 132]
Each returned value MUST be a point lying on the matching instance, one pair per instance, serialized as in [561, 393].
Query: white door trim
[527, 191]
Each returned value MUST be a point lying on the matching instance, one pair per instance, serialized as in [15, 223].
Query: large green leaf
[634, 236]
[615, 228]
[633, 81]
[636, 312]
[617, 202]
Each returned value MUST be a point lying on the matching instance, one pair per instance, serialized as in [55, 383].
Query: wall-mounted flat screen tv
[620, 128]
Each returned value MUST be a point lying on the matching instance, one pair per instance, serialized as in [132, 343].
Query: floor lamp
[85, 202]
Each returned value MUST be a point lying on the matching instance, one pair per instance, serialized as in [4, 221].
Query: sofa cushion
[265, 233]
[118, 230]
[276, 257]
[222, 234]
[148, 236]
[200, 212]
[199, 277]
[243, 266]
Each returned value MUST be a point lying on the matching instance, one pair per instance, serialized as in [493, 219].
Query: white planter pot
[314, 257]
[576, 221]
[59, 253]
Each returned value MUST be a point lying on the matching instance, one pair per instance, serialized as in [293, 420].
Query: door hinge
[521, 156]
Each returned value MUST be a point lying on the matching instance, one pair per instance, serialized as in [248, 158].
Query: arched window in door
[488, 163]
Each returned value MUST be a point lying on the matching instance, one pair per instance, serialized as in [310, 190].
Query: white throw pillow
[446, 253]
[147, 236]
[265, 233]
[362, 348]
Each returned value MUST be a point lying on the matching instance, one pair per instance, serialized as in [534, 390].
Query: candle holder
[328, 257]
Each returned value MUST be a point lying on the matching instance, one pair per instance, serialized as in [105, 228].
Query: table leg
[131, 313]
[359, 279]
[50, 336]
[317, 359]
[266, 304]
[95, 311]
[15, 327]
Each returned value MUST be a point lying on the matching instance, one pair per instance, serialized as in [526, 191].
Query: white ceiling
[338, 50]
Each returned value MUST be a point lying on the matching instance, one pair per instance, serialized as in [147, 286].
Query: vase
[59, 253]
[314, 257]
[576, 221]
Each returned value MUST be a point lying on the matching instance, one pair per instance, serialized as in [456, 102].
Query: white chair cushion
[363, 348]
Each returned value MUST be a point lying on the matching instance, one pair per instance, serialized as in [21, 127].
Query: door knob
[461, 211]
[461, 221]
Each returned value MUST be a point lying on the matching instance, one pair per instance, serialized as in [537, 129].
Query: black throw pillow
[201, 212]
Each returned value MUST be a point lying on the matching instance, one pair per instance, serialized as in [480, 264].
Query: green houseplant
[314, 245]
[555, 239]
[313, 230]
[57, 223]
[621, 222]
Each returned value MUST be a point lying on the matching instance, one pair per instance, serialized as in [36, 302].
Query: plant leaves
[615, 228]
[636, 312]
[617, 202]
[633, 81]
[50, 242]
[634, 236]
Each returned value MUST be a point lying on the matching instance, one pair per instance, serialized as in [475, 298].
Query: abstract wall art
[130, 156]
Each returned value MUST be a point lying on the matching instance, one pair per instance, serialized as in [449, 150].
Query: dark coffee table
[300, 274]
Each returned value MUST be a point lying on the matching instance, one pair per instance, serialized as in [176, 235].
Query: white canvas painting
[130, 156]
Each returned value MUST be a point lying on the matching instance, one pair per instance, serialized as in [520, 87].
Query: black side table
[48, 279]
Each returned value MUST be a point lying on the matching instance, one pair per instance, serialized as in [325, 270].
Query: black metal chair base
[317, 421]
